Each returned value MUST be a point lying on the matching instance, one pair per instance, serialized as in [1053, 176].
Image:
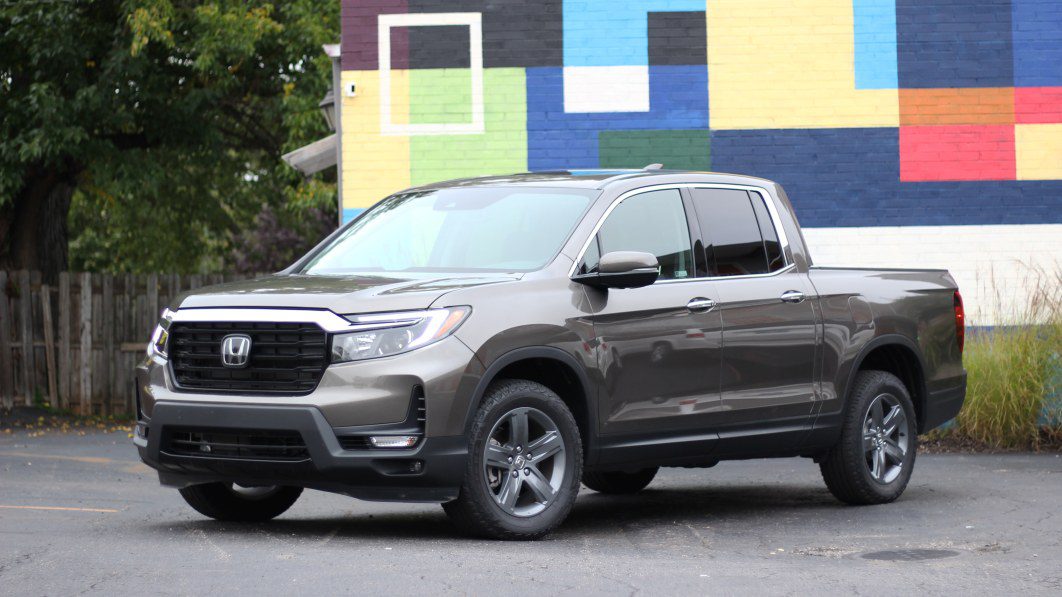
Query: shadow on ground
[594, 514]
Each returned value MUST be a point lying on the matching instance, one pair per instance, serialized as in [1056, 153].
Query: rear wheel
[232, 502]
[619, 482]
[873, 460]
[525, 460]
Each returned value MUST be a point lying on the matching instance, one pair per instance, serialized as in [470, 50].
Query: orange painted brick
[934, 107]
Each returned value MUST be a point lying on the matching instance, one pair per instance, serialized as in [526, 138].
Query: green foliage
[1010, 373]
[170, 115]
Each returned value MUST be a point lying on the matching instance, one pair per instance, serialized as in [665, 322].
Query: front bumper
[372, 474]
[370, 392]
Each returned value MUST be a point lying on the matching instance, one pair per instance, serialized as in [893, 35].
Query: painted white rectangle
[474, 21]
[998, 268]
[606, 89]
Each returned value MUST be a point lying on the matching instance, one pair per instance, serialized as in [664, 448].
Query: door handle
[698, 304]
[792, 296]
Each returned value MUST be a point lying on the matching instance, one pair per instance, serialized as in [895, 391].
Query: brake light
[960, 321]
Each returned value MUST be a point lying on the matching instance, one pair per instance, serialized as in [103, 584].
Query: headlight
[386, 334]
[161, 336]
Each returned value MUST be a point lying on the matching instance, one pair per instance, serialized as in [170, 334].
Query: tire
[492, 502]
[619, 482]
[229, 502]
[866, 467]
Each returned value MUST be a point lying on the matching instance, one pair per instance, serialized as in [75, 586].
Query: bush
[279, 238]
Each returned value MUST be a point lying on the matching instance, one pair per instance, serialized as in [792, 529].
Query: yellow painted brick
[374, 165]
[794, 69]
[1039, 151]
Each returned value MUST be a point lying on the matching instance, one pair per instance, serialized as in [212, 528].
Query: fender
[541, 352]
[883, 340]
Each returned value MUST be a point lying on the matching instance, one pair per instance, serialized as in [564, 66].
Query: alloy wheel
[886, 435]
[524, 462]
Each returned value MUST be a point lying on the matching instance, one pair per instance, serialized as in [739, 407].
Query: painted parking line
[84, 459]
[60, 509]
[132, 467]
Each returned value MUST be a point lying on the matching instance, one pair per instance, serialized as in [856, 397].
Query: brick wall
[998, 268]
[933, 127]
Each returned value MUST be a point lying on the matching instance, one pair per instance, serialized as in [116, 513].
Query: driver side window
[652, 222]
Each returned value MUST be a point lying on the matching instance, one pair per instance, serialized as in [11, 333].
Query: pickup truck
[492, 344]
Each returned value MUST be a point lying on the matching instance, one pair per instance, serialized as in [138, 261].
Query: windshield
[457, 229]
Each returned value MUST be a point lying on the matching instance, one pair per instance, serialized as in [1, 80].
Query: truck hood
[340, 294]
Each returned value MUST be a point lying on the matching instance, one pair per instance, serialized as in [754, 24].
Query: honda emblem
[236, 350]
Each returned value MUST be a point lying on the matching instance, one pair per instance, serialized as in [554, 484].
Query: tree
[161, 121]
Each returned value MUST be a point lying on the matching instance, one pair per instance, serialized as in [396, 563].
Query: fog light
[393, 441]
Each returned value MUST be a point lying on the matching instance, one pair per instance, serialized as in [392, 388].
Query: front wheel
[232, 502]
[524, 464]
[873, 460]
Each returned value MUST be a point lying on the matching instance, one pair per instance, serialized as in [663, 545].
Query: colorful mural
[929, 112]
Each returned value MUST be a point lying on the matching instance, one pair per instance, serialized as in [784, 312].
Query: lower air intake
[239, 444]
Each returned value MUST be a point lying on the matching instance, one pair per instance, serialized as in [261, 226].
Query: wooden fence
[75, 345]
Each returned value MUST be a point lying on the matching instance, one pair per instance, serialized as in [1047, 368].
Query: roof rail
[653, 167]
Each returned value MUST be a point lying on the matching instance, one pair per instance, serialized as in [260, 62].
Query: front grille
[285, 358]
[236, 443]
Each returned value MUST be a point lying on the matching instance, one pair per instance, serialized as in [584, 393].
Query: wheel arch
[553, 368]
[900, 356]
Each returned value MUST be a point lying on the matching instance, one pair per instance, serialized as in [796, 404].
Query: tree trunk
[33, 227]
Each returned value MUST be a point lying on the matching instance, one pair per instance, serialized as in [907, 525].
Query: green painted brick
[501, 149]
[440, 96]
[687, 150]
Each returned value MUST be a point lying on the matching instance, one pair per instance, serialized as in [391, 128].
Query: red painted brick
[1038, 105]
[966, 152]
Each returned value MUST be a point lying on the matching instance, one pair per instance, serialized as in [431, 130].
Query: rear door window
[771, 245]
[652, 222]
[738, 233]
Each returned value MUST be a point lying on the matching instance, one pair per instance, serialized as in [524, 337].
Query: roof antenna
[653, 167]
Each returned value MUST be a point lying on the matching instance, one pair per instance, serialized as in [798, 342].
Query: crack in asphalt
[634, 589]
[22, 558]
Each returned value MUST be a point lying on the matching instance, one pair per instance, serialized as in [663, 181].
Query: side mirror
[622, 269]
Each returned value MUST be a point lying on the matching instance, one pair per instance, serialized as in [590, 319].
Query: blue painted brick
[944, 43]
[678, 99]
[1037, 36]
[850, 177]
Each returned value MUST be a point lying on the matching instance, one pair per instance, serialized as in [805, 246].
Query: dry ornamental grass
[1013, 400]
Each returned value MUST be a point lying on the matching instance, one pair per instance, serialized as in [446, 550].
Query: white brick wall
[998, 268]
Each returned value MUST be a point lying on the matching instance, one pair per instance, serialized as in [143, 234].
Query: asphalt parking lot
[82, 515]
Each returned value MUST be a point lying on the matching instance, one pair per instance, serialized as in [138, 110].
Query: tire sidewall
[884, 383]
[525, 394]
